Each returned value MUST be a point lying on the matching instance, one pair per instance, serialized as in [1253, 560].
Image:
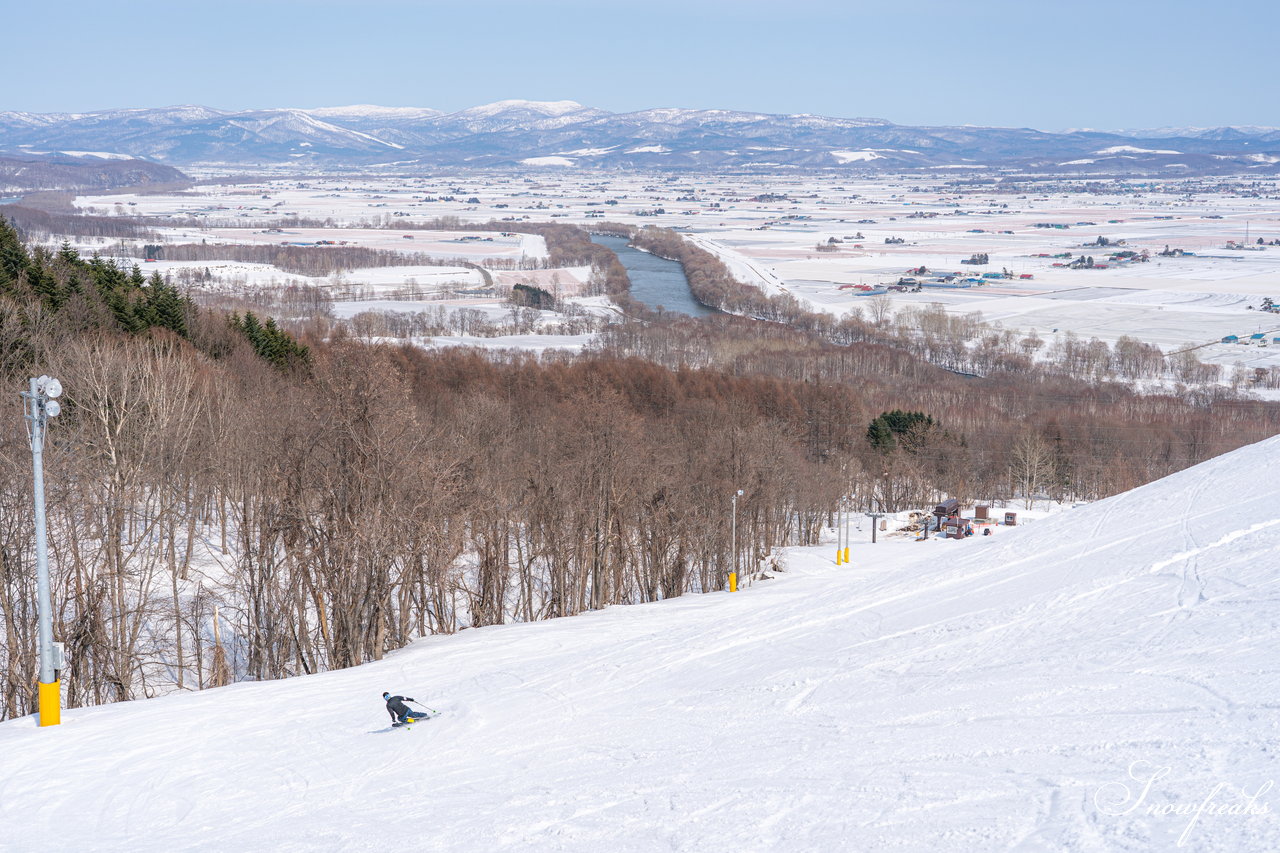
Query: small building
[1011, 519]
[1231, 339]
[948, 508]
[958, 527]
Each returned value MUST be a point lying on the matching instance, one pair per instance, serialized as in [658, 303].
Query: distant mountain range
[566, 134]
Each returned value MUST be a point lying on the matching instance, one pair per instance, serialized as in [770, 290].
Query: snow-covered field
[767, 229]
[1104, 678]
[429, 279]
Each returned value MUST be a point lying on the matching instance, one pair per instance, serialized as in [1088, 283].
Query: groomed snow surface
[1017, 691]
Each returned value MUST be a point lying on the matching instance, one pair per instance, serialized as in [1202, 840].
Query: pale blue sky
[1051, 65]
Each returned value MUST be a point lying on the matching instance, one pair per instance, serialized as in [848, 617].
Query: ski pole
[425, 708]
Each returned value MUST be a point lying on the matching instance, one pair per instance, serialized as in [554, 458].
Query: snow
[101, 155]
[1150, 133]
[589, 152]
[534, 247]
[854, 156]
[307, 123]
[550, 108]
[548, 161]
[374, 111]
[372, 138]
[534, 343]
[1016, 691]
[1129, 149]
[741, 267]
[648, 149]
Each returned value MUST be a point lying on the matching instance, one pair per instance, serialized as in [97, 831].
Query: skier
[399, 711]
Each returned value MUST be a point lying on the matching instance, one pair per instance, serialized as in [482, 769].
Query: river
[655, 282]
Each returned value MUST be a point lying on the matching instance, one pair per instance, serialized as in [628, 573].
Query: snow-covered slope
[1004, 692]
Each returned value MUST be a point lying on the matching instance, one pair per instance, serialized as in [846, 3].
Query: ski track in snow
[970, 695]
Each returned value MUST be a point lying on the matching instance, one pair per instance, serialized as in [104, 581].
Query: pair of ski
[413, 718]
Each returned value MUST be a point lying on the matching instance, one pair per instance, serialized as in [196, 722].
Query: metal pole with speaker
[41, 405]
[733, 537]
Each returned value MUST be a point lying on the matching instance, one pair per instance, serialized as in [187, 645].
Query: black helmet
[385, 694]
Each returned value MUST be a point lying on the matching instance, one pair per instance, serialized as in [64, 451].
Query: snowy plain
[1102, 679]
[767, 229]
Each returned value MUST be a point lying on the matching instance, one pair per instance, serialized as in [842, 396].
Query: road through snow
[997, 693]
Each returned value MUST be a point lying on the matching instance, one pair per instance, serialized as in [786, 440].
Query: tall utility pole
[733, 537]
[39, 406]
[848, 513]
[836, 526]
[842, 532]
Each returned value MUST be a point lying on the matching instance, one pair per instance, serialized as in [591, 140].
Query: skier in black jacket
[397, 709]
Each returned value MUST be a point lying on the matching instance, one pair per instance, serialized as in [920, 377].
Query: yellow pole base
[846, 553]
[50, 697]
[839, 555]
[733, 581]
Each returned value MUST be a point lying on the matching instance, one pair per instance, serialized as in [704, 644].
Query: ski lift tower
[875, 518]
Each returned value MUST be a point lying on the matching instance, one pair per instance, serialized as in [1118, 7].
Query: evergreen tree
[880, 436]
[165, 306]
[14, 260]
[895, 428]
[270, 342]
[532, 297]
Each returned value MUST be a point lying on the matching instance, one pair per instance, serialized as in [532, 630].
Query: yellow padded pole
[50, 703]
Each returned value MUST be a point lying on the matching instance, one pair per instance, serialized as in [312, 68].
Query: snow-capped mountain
[1215, 133]
[181, 135]
[370, 112]
[514, 110]
[567, 134]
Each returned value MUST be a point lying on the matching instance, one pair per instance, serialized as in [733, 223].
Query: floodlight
[52, 409]
[52, 387]
[740, 493]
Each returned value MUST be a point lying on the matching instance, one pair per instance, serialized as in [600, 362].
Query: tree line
[965, 436]
[314, 261]
[334, 512]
